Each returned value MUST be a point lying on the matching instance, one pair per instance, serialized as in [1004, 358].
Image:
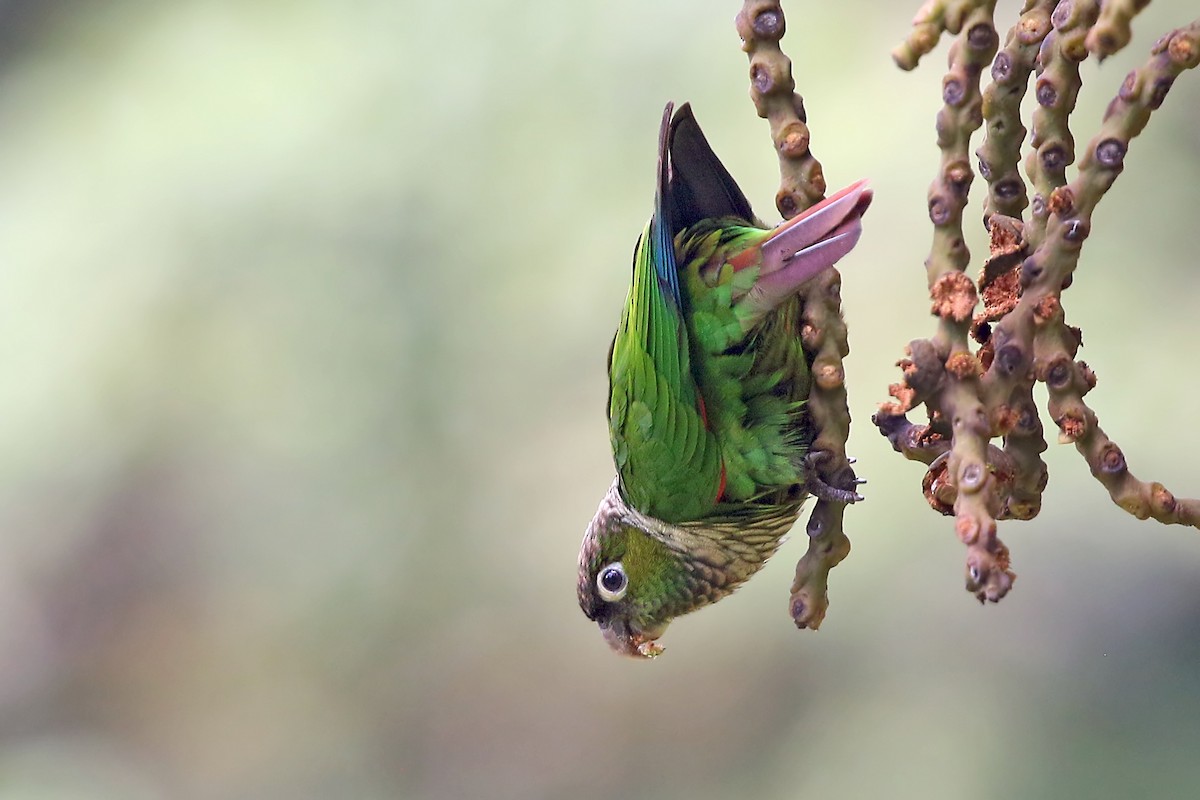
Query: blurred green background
[304, 308]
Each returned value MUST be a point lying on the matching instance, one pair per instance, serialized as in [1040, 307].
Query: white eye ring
[611, 582]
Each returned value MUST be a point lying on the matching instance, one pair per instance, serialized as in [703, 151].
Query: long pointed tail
[803, 247]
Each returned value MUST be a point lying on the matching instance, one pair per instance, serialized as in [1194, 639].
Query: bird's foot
[819, 488]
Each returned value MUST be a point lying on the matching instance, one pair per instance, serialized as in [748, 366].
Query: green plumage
[707, 418]
[704, 414]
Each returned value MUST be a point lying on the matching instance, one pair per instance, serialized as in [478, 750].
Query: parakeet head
[637, 573]
[630, 584]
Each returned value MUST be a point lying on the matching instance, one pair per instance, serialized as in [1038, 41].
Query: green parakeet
[707, 389]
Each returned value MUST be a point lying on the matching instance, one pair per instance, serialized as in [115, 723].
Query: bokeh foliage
[305, 307]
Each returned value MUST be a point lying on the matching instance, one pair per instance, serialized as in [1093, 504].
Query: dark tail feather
[700, 187]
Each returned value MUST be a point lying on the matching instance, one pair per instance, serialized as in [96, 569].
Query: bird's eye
[612, 582]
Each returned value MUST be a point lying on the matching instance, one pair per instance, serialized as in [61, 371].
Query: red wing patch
[704, 419]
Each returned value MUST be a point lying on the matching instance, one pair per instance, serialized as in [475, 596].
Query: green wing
[668, 462]
[754, 381]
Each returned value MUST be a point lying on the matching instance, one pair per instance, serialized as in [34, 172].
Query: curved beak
[628, 642]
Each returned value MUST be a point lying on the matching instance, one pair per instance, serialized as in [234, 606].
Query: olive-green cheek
[654, 572]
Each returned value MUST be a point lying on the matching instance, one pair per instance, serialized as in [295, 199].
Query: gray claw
[821, 490]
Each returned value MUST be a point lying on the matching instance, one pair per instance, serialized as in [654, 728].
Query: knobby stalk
[761, 25]
[973, 396]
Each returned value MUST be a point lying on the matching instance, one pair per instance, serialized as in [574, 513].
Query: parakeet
[707, 389]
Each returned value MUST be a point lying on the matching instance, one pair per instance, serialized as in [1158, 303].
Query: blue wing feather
[661, 240]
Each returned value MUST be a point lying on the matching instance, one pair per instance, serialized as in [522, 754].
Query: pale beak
[627, 642]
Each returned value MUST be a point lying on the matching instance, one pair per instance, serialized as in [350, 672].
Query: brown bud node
[939, 211]
[794, 141]
[967, 528]
[982, 36]
[1027, 422]
[1002, 67]
[1183, 50]
[1062, 201]
[798, 608]
[1008, 189]
[788, 203]
[1046, 309]
[1054, 158]
[928, 372]
[1009, 359]
[953, 296]
[953, 92]
[1062, 14]
[972, 477]
[769, 24]
[1112, 460]
[1004, 419]
[963, 365]
[1071, 427]
[1037, 206]
[1161, 500]
[761, 78]
[811, 337]
[988, 576]
[958, 175]
[1111, 153]
[1076, 231]
[817, 178]
[1059, 372]
[1047, 94]
[1032, 28]
[828, 373]
[1129, 87]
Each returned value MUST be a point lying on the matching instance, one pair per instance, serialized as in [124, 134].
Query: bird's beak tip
[634, 644]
